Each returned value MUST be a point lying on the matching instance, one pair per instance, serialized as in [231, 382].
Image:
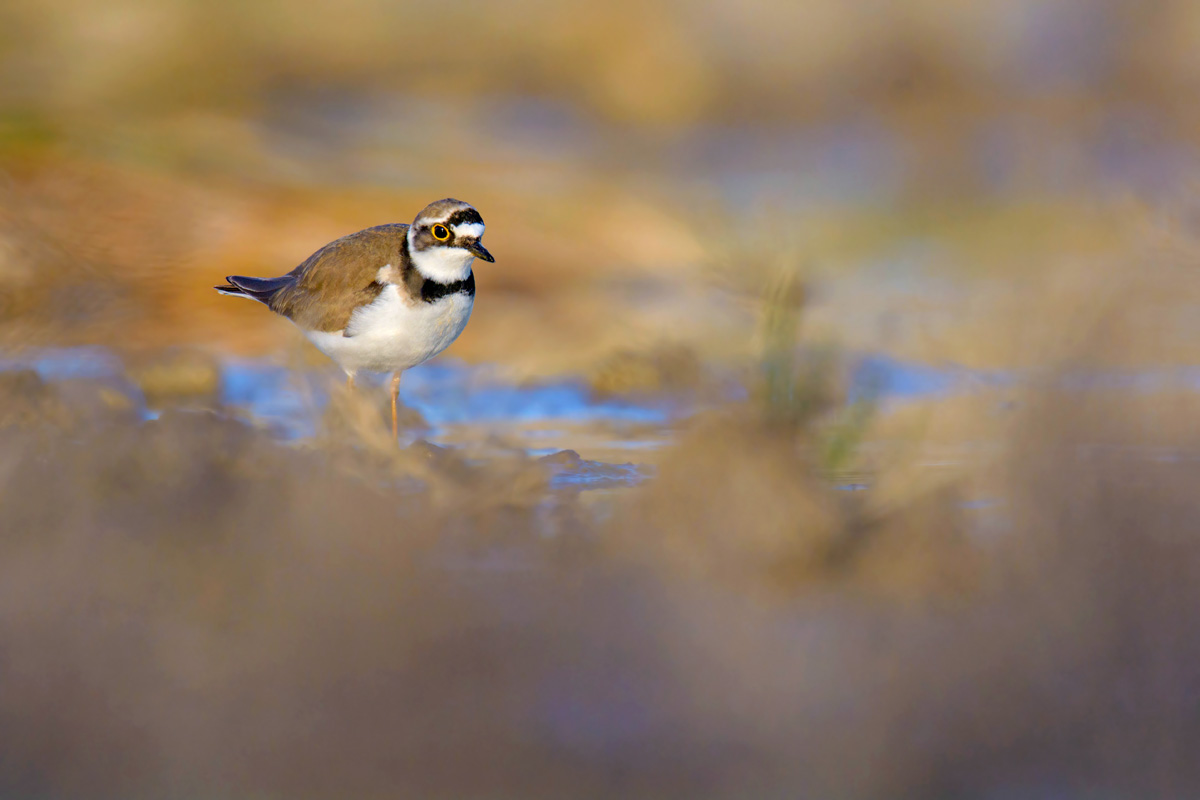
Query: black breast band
[432, 290]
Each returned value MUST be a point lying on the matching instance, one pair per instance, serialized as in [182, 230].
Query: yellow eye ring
[440, 232]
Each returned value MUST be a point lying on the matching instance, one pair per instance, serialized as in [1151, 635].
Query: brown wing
[338, 278]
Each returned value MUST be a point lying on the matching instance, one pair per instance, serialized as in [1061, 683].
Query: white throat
[441, 264]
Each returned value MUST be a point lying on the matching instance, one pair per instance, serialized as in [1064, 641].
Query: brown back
[340, 277]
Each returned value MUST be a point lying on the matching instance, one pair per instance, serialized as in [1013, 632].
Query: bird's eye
[440, 232]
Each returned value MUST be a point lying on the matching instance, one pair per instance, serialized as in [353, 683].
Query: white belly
[390, 334]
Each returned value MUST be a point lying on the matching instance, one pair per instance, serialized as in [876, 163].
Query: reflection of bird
[383, 299]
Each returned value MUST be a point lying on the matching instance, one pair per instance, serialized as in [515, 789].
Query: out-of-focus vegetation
[828, 587]
[613, 148]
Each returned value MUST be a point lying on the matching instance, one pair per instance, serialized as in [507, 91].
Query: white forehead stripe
[469, 229]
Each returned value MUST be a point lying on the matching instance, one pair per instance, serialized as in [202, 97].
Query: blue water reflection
[448, 393]
[550, 419]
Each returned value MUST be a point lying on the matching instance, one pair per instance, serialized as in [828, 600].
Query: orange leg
[395, 397]
[349, 381]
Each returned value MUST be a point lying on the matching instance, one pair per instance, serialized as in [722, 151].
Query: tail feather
[260, 289]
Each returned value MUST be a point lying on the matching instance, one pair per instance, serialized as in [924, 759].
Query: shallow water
[589, 441]
[449, 394]
[475, 408]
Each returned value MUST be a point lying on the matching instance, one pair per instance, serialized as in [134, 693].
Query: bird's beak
[479, 251]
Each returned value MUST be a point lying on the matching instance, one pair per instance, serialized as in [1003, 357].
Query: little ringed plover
[383, 299]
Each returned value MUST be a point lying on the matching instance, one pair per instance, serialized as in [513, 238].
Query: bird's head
[444, 239]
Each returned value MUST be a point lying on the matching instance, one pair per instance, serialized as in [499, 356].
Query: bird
[383, 299]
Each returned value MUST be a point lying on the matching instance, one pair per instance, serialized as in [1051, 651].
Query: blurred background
[825, 427]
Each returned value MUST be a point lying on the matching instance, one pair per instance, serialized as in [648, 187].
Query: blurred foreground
[194, 606]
